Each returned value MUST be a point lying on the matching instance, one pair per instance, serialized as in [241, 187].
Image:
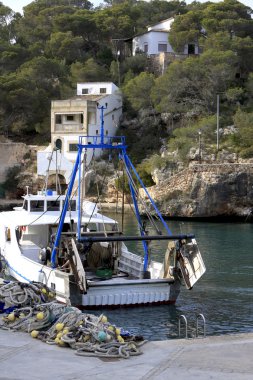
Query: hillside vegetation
[57, 43]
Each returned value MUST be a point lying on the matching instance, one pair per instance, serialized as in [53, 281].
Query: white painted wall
[94, 88]
[64, 166]
[151, 38]
[156, 34]
[112, 114]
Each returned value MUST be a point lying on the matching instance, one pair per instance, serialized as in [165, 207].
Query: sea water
[224, 295]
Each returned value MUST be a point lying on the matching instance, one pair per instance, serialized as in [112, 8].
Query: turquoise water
[224, 294]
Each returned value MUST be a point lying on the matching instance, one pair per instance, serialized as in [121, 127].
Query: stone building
[78, 116]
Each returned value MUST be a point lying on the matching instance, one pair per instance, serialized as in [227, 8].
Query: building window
[96, 131]
[58, 119]
[162, 48]
[58, 144]
[191, 49]
[102, 90]
[146, 48]
[81, 118]
[73, 147]
[70, 117]
[85, 91]
[106, 132]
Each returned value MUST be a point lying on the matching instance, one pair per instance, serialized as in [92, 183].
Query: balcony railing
[69, 127]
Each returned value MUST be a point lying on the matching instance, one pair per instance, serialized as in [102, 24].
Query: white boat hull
[141, 293]
[116, 292]
[129, 285]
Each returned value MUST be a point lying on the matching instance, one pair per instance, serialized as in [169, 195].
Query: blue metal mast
[65, 208]
[112, 143]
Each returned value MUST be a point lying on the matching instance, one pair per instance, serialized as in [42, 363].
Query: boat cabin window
[91, 227]
[53, 205]
[72, 205]
[25, 205]
[37, 206]
[108, 227]
[66, 227]
[8, 234]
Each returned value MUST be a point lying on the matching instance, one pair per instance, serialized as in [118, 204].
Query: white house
[79, 116]
[155, 41]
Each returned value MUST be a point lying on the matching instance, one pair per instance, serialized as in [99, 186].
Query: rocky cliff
[11, 154]
[210, 188]
[18, 163]
[206, 190]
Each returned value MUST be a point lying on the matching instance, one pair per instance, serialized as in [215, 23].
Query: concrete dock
[219, 358]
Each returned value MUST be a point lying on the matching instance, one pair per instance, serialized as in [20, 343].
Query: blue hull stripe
[19, 274]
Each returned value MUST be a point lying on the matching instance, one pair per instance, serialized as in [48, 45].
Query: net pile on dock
[64, 325]
[14, 294]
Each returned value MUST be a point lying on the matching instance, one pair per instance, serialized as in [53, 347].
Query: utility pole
[200, 152]
[118, 58]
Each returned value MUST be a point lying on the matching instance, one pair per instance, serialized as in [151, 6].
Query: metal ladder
[182, 317]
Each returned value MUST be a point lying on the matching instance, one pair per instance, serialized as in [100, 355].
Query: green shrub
[27, 155]
[121, 184]
[247, 152]
[11, 181]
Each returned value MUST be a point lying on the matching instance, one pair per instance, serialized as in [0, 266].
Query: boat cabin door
[190, 261]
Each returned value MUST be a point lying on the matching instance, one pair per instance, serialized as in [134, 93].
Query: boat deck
[30, 250]
[124, 279]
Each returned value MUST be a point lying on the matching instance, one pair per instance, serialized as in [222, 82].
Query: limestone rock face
[11, 154]
[206, 190]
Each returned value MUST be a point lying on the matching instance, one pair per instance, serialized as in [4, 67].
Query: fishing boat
[65, 242]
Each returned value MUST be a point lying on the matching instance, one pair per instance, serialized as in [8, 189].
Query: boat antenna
[123, 199]
[27, 190]
[49, 157]
[102, 108]
[57, 178]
